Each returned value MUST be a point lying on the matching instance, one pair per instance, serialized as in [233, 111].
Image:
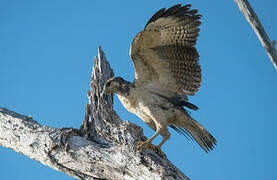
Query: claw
[142, 144]
[160, 151]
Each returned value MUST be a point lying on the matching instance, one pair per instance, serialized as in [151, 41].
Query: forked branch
[103, 148]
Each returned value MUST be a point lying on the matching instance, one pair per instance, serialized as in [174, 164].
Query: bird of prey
[166, 71]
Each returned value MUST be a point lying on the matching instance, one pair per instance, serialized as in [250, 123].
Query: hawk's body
[167, 70]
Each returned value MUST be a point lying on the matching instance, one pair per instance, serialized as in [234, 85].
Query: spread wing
[164, 51]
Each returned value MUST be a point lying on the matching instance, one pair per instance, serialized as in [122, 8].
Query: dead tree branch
[253, 20]
[104, 146]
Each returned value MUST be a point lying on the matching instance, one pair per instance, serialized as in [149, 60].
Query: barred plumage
[169, 38]
[166, 71]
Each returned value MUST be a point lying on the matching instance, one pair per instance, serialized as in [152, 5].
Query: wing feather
[164, 51]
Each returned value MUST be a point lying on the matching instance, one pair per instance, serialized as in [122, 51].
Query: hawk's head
[117, 85]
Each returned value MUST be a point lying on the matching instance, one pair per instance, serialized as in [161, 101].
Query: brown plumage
[169, 37]
[167, 70]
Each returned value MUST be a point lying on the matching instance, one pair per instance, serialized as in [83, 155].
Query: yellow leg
[164, 140]
[151, 146]
[158, 148]
[148, 144]
[160, 151]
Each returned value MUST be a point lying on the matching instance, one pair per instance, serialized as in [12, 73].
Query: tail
[196, 131]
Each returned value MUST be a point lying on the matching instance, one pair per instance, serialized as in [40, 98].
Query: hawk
[166, 71]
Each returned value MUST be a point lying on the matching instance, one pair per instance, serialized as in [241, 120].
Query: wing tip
[176, 10]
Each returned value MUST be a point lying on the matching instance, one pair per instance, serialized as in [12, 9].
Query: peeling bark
[103, 148]
[255, 23]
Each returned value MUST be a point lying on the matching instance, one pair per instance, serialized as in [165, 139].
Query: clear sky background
[46, 56]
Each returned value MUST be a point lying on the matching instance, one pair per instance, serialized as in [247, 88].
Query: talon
[160, 151]
[152, 146]
[142, 144]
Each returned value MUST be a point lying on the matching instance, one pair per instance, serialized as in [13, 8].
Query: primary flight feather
[166, 71]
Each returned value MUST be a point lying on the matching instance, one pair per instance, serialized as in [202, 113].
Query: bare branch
[103, 148]
[253, 20]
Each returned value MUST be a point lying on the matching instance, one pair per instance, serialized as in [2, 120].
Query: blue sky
[46, 56]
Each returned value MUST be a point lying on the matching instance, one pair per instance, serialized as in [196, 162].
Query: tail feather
[183, 132]
[195, 130]
[202, 136]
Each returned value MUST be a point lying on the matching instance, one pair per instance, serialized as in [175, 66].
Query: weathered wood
[103, 148]
[254, 21]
